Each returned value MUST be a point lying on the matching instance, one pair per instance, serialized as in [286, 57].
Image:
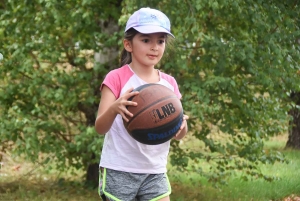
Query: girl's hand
[120, 105]
[183, 128]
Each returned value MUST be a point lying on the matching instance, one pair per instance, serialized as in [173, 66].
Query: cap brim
[152, 29]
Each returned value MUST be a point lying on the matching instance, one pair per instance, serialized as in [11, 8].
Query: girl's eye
[145, 40]
[161, 41]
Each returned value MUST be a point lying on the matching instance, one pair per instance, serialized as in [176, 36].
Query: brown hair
[126, 56]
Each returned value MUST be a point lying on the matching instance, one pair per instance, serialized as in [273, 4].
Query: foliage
[236, 62]
[50, 83]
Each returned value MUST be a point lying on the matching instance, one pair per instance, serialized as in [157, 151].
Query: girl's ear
[127, 45]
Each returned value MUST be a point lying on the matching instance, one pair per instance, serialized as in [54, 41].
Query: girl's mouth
[152, 56]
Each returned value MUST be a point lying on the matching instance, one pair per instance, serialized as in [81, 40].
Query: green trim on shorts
[100, 175]
[103, 187]
[167, 193]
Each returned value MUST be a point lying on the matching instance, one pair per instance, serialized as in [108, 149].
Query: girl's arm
[183, 129]
[109, 107]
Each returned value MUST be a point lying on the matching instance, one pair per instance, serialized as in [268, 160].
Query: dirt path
[291, 198]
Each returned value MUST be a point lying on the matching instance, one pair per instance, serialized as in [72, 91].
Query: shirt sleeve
[171, 80]
[112, 81]
[176, 89]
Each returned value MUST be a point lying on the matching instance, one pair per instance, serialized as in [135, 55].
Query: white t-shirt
[120, 151]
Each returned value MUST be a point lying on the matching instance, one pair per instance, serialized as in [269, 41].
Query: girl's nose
[154, 48]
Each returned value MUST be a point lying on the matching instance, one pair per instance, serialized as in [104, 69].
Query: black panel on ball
[160, 134]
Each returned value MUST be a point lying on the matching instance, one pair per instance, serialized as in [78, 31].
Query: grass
[20, 181]
[289, 182]
[24, 181]
[42, 190]
[197, 188]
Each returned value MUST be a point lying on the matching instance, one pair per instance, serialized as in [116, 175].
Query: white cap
[147, 21]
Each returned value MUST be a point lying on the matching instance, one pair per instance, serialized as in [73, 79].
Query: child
[131, 170]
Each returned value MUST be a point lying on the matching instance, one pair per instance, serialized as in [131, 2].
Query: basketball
[157, 117]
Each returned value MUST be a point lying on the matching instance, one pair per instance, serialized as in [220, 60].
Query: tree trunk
[92, 174]
[294, 130]
[107, 56]
[92, 171]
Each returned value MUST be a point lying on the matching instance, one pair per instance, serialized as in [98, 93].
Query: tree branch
[35, 59]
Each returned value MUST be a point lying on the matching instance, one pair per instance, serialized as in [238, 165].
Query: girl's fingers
[125, 114]
[182, 125]
[128, 113]
[178, 132]
[185, 117]
[125, 102]
[124, 117]
[134, 93]
[131, 103]
[130, 92]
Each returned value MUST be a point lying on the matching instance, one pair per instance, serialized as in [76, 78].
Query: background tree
[235, 61]
[294, 130]
[50, 82]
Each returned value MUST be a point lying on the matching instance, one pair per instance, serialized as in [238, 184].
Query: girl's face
[147, 49]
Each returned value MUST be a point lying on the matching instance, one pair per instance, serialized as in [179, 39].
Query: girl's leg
[165, 199]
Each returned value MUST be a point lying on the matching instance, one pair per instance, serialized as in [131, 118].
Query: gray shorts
[126, 186]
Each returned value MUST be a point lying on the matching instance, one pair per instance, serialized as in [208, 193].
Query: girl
[131, 170]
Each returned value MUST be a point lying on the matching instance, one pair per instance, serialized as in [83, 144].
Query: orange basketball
[157, 117]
